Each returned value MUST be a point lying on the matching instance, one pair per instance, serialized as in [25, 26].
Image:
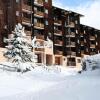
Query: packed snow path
[43, 85]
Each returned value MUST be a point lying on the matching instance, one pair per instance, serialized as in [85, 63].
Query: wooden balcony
[71, 24]
[58, 52]
[26, 8]
[38, 2]
[92, 37]
[72, 53]
[72, 34]
[26, 21]
[59, 42]
[92, 46]
[39, 25]
[58, 22]
[40, 37]
[92, 53]
[70, 44]
[71, 63]
[58, 32]
[38, 14]
[28, 33]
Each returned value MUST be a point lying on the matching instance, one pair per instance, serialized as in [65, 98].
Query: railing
[40, 37]
[26, 7]
[71, 63]
[39, 13]
[58, 21]
[70, 44]
[59, 42]
[39, 25]
[71, 53]
[59, 52]
[71, 24]
[27, 20]
[58, 32]
[28, 33]
[92, 37]
[72, 34]
[92, 45]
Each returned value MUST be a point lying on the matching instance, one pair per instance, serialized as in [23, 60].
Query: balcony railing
[71, 44]
[59, 42]
[70, 63]
[72, 34]
[71, 24]
[38, 14]
[59, 52]
[92, 53]
[92, 37]
[39, 25]
[40, 37]
[57, 22]
[38, 2]
[28, 33]
[26, 8]
[92, 45]
[58, 32]
[71, 53]
[26, 21]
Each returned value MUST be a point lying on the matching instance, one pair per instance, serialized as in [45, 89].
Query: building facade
[70, 40]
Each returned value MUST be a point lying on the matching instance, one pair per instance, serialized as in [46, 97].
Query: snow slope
[40, 84]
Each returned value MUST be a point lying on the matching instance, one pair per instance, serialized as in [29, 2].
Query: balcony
[57, 22]
[38, 14]
[38, 2]
[58, 32]
[92, 53]
[58, 52]
[71, 64]
[82, 43]
[70, 44]
[92, 37]
[71, 25]
[92, 46]
[40, 37]
[72, 53]
[72, 34]
[39, 25]
[26, 21]
[58, 43]
[28, 33]
[26, 8]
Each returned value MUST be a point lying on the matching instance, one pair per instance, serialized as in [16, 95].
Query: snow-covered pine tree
[19, 50]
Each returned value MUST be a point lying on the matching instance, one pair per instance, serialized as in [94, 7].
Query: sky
[89, 8]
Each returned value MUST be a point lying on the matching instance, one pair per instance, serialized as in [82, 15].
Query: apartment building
[70, 40]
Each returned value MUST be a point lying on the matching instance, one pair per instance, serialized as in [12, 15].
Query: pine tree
[19, 50]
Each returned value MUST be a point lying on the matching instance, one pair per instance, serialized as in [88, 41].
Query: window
[46, 11]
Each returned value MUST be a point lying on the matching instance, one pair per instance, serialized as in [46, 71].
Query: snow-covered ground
[41, 84]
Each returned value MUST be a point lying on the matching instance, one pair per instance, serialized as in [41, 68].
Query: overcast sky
[89, 8]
